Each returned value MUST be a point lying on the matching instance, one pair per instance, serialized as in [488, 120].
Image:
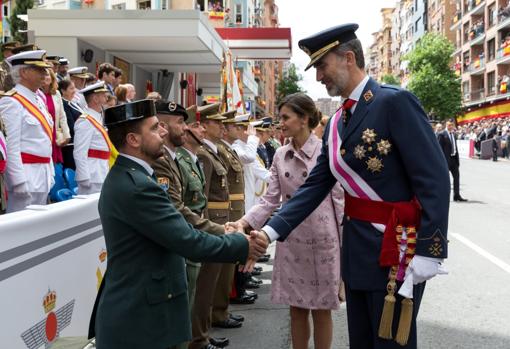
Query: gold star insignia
[374, 164]
[384, 147]
[359, 152]
[369, 136]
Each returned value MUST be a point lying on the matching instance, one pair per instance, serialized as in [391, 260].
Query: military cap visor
[30, 58]
[170, 108]
[10, 45]
[230, 117]
[53, 59]
[78, 72]
[317, 45]
[25, 48]
[211, 112]
[98, 87]
[129, 112]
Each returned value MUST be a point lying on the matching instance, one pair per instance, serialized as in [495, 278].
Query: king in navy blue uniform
[387, 142]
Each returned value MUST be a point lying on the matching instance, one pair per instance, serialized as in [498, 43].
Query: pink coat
[306, 271]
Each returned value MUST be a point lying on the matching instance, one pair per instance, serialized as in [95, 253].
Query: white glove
[21, 189]
[84, 184]
[420, 269]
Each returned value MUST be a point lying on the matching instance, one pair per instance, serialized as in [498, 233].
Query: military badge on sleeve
[368, 95]
[164, 183]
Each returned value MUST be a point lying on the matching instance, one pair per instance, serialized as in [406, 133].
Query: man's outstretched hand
[258, 243]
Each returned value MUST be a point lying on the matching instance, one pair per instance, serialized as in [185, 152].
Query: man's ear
[133, 140]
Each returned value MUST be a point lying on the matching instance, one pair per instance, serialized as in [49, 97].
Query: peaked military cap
[192, 114]
[211, 112]
[317, 45]
[97, 87]
[230, 117]
[53, 59]
[170, 108]
[264, 124]
[10, 45]
[33, 58]
[79, 72]
[63, 61]
[243, 119]
[25, 48]
[129, 112]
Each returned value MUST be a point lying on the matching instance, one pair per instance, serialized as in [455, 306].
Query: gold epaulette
[83, 116]
[9, 93]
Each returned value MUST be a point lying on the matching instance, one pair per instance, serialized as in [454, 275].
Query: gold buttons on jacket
[342, 151]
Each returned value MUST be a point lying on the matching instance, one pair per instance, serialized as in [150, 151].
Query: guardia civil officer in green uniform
[144, 302]
[180, 176]
[216, 190]
[235, 178]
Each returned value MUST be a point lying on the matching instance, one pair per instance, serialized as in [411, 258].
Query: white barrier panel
[52, 259]
[463, 150]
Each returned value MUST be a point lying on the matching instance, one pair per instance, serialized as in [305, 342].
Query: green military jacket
[183, 184]
[6, 82]
[216, 184]
[144, 303]
[235, 178]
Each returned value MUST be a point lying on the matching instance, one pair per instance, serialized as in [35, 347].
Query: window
[164, 4]
[491, 82]
[6, 11]
[144, 4]
[491, 48]
[239, 14]
[416, 25]
[121, 6]
[492, 15]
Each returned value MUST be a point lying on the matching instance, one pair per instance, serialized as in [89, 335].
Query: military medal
[384, 147]
[359, 152]
[369, 136]
[374, 164]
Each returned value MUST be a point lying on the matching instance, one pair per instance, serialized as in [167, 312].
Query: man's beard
[177, 141]
[338, 85]
[154, 154]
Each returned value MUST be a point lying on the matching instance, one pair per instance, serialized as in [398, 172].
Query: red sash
[32, 109]
[34, 159]
[99, 154]
[3, 165]
[103, 132]
[391, 214]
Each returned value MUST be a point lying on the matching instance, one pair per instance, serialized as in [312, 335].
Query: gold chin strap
[324, 49]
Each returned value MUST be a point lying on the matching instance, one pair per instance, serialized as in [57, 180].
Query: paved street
[469, 308]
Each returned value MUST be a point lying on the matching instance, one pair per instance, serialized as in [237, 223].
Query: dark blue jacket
[414, 167]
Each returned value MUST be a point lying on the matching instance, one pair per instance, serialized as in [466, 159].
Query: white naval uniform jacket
[255, 175]
[86, 137]
[25, 134]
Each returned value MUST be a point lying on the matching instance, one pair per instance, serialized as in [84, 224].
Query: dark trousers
[364, 309]
[453, 166]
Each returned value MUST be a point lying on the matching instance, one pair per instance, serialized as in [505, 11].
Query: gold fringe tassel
[386, 324]
[404, 324]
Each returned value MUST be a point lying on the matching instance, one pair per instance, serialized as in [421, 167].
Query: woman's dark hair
[64, 84]
[302, 105]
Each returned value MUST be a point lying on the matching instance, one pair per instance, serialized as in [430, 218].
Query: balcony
[503, 55]
[474, 97]
[477, 67]
[504, 19]
[456, 21]
[475, 7]
[476, 38]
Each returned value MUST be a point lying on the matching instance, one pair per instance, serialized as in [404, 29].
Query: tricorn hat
[129, 112]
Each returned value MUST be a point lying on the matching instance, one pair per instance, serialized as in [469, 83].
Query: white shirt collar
[26, 92]
[140, 162]
[193, 156]
[94, 114]
[358, 90]
[211, 145]
[172, 153]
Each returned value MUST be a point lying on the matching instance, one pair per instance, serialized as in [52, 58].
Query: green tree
[390, 80]
[17, 25]
[432, 79]
[289, 83]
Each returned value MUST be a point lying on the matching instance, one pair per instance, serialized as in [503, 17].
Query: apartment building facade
[482, 55]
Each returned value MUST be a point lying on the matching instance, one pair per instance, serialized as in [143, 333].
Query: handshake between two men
[258, 242]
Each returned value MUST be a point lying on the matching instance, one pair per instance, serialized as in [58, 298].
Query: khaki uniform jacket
[216, 184]
[175, 180]
[144, 302]
[235, 178]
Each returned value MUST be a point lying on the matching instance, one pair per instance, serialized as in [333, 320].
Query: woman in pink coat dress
[306, 273]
